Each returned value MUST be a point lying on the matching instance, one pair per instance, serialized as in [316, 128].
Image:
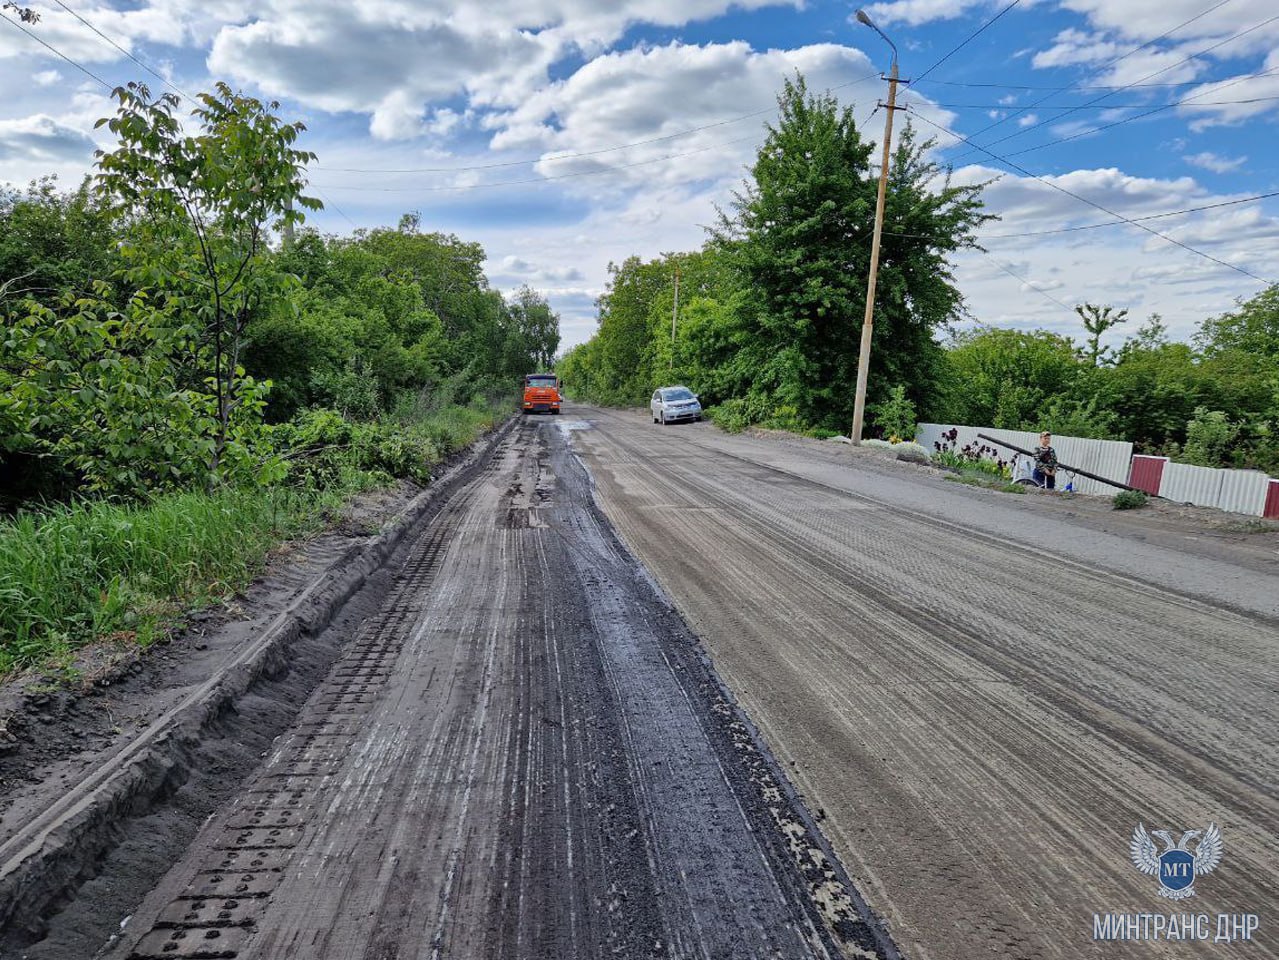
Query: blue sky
[482, 102]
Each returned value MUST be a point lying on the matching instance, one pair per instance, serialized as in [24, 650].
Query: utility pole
[863, 360]
[674, 314]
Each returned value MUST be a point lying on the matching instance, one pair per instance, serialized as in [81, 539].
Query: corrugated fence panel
[1106, 458]
[1187, 484]
[1272, 501]
[1146, 473]
[1243, 491]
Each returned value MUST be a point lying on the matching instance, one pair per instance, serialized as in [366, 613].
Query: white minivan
[670, 404]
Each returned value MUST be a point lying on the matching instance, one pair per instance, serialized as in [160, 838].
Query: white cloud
[42, 139]
[1205, 102]
[46, 78]
[1028, 120]
[916, 12]
[1215, 163]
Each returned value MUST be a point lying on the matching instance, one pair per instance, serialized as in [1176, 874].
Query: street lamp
[863, 360]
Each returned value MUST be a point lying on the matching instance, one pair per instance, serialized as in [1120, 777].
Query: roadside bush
[879, 444]
[895, 415]
[318, 445]
[1130, 500]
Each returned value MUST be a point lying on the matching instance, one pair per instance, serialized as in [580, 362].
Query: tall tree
[1097, 320]
[801, 230]
[1253, 327]
[201, 207]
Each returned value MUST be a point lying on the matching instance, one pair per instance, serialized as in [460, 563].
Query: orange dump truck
[542, 393]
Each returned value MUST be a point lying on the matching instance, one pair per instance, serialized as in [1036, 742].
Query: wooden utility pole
[863, 359]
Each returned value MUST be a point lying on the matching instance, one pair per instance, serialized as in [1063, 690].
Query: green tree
[1006, 378]
[536, 334]
[53, 243]
[895, 417]
[1097, 320]
[800, 234]
[1251, 328]
[200, 209]
[1210, 438]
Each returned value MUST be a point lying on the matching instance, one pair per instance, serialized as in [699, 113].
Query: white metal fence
[1106, 458]
[1240, 491]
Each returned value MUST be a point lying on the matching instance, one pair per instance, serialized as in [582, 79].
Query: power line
[336, 209]
[83, 69]
[969, 39]
[1141, 226]
[1179, 63]
[1160, 109]
[587, 153]
[1063, 89]
[117, 46]
[1109, 106]
[1108, 64]
[1025, 282]
[1097, 226]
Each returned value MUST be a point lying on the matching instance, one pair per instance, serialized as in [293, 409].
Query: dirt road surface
[982, 723]
[525, 754]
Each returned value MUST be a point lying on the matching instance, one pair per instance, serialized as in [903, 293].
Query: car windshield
[539, 381]
[677, 393]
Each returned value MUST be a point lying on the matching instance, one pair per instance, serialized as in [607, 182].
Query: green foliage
[798, 235]
[100, 570]
[53, 243]
[1072, 417]
[1130, 500]
[198, 209]
[352, 391]
[1210, 435]
[1097, 320]
[97, 395]
[1004, 378]
[895, 416]
[1253, 328]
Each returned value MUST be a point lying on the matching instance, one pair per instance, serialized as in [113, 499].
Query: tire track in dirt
[980, 773]
[524, 755]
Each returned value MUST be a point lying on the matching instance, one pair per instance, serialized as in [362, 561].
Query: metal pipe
[1060, 465]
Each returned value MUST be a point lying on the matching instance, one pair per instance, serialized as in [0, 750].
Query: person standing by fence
[1046, 462]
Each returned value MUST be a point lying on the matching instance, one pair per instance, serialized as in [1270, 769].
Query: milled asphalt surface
[982, 724]
[524, 754]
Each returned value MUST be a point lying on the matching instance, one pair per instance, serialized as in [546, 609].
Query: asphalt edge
[59, 848]
[878, 928]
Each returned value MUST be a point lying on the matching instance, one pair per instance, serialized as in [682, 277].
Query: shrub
[896, 415]
[1130, 499]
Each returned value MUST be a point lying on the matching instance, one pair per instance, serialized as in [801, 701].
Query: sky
[565, 135]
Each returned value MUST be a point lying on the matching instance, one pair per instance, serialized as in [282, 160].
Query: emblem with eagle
[1176, 868]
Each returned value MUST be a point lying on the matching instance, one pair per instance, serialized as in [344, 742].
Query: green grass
[986, 481]
[95, 570]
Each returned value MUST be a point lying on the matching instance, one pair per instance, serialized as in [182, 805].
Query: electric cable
[145, 66]
[1141, 226]
[40, 40]
[1098, 99]
[970, 38]
[1108, 64]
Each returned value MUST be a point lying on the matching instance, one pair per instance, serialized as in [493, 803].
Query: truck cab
[541, 393]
